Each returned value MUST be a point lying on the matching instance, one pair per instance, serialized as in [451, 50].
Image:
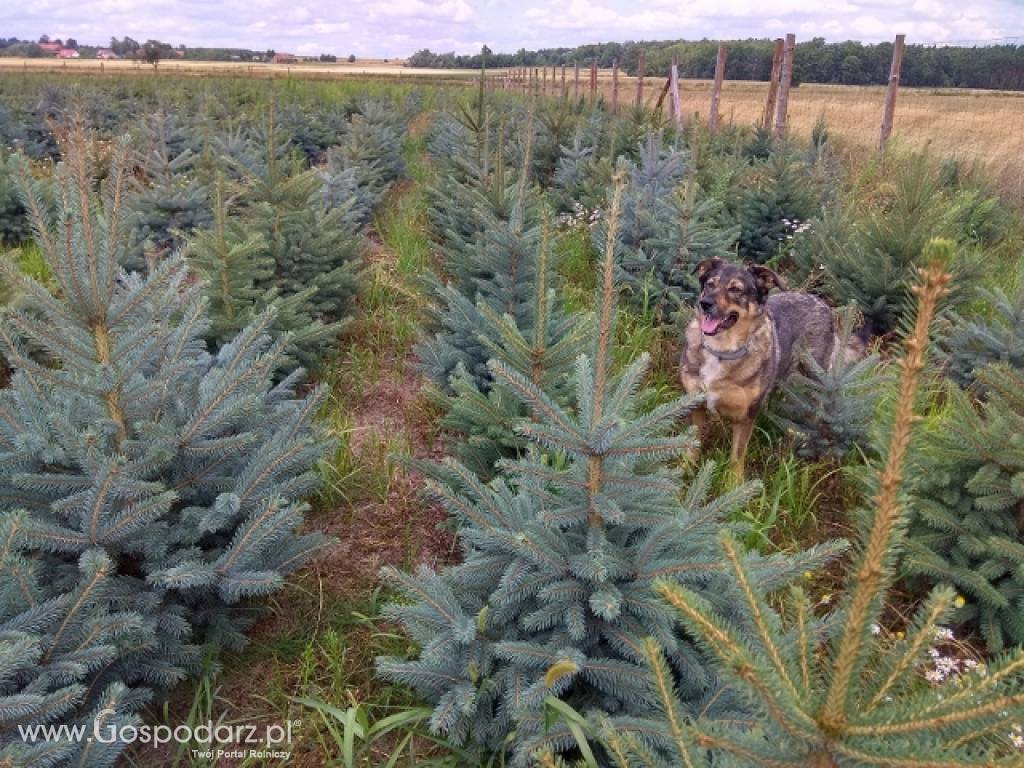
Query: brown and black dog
[743, 340]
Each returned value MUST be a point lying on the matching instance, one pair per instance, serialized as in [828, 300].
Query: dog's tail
[859, 342]
[853, 336]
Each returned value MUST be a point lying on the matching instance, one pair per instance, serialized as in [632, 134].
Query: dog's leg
[699, 421]
[741, 432]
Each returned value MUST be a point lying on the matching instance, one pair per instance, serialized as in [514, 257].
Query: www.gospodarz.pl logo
[217, 740]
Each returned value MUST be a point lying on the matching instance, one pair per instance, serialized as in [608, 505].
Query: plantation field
[352, 407]
[973, 124]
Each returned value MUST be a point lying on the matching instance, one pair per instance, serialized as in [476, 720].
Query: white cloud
[393, 28]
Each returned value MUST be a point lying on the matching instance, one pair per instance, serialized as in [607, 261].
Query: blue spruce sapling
[147, 488]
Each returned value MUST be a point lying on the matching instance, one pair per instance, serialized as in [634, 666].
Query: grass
[402, 225]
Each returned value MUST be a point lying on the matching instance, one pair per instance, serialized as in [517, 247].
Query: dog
[743, 341]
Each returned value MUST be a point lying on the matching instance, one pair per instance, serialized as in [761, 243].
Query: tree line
[847, 63]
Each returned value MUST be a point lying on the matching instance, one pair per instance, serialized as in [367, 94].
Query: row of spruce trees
[158, 437]
[594, 573]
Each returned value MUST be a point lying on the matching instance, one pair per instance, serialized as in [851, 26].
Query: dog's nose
[707, 305]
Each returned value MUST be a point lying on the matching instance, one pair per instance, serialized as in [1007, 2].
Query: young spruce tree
[171, 202]
[667, 228]
[553, 597]
[237, 269]
[829, 410]
[490, 258]
[487, 418]
[312, 246]
[861, 703]
[968, 523]
[147, 488]
[516, 318]
[971, 343]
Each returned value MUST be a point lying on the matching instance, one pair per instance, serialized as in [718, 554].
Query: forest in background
[847, 63]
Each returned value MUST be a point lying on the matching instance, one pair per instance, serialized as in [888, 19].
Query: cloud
[395, 28]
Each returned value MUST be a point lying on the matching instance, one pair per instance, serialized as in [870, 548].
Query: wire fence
[985, 127]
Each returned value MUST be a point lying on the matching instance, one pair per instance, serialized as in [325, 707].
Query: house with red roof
[68, 53]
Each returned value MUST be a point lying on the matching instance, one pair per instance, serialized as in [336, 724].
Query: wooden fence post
[576, 82]
[676, 105]
[544, 79]
[593, 81]
[565, 87]
[615, 87]
[716, 89]
[773, 84]
[663, 94]
[890, 94]
[640, 80]
[784, 83]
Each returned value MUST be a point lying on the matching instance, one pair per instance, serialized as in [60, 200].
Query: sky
[398, 28]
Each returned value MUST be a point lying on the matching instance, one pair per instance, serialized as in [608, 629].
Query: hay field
[312, 69]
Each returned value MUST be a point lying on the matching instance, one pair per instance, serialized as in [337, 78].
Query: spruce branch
[766, 631]
[541, 303]
[669, 702]
[872, 578]
[606, 303]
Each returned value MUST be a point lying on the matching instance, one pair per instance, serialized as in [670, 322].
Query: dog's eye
[712, 282]
[735, 288]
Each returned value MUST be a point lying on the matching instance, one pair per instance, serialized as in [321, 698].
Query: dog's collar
[726, 354]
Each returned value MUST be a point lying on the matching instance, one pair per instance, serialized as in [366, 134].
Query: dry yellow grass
[362, 67]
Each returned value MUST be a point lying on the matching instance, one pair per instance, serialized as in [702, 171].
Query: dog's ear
[705, 267]
[766, 279]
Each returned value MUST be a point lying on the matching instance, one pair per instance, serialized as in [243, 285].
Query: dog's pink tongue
[709, 325]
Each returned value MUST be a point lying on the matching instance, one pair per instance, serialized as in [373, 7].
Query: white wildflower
[944, 633]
